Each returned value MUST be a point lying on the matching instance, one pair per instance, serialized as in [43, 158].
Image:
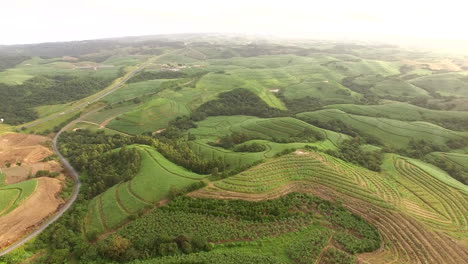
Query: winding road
[66, 164]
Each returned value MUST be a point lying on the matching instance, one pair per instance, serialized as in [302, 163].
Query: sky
[34, 21]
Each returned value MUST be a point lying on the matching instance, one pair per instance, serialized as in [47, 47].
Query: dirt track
[30, 214]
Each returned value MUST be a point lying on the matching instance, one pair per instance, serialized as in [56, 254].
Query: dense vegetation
[226, 126]
[351, 151]
[147, 75]
[237, 102]
[17, 101]
[10, 61]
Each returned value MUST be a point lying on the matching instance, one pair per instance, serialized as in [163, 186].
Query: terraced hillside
[148, 117]
[458, 161]
[273, 136]
[392, 132]
[392, 201]
[261, 128]
[401, 111]
[153, 183]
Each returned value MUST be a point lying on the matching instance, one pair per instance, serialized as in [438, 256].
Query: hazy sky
[32, 21]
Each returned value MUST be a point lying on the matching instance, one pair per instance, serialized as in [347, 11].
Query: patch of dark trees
[351, 151]
[237, 102]
[81, 48]
[10, 61]
[149, 75]
[17, 101]
[341, 127]
[91, 154]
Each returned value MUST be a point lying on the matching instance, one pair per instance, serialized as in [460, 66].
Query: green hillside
[153, 183]
[392, 132]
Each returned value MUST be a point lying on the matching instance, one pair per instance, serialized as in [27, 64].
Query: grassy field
[261, 128]
[12, 195]
[50, 125]
[392, 132]
[446, 84]
[53, 67]
[459, 160]
[95, 127]
[149, 116]
[400, 111]
[399, 88]
[4, 128]
[133, 90]
[153, 182]
[109, 113]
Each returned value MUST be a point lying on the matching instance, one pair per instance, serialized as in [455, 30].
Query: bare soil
[29, 150]
[32, 212]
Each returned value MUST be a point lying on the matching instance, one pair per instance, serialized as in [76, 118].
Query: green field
[134, 90]
[400, 111]
[95, 128]
[392, 132]
[261, 128]
[148, 117]
[153, 182]
[312, 189]
[395, 87]
[12, 195]
[445, 84]
[458, 160]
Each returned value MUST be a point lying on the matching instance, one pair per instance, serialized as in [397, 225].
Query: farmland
[148, 117]
[393, 132]
[152, 184]
[363, 188]
[210, 149]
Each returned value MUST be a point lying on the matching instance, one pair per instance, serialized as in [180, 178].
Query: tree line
[17, 101]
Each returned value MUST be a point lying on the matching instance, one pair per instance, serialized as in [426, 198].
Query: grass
[46, 110]
[108, 114]
[439, 200]
[392, 132]
[271, 176]
[263, 128]
[50, 125]
[400, 111]
[149, 116]
[14, 194]
[398, 88]
[152, 184]
[134, 90]
[95, 128]
[446, 84]
[4, 128]
[52, 67]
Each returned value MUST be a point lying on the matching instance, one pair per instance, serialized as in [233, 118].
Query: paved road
[66, 164]
[66, 206]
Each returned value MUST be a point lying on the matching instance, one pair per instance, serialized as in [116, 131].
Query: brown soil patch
[32, 212]
[30, 150]
[106, 122]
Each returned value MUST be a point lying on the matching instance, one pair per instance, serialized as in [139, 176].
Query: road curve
[66, 164]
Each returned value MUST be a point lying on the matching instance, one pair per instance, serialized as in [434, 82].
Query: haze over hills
[226, 148]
